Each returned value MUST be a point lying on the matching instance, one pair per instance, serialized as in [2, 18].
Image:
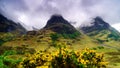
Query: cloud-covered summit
[37, 12]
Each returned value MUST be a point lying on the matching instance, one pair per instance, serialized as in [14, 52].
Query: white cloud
[23, 18]
[37, 12]
[116, 26]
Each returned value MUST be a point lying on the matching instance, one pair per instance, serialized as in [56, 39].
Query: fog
[35, 13]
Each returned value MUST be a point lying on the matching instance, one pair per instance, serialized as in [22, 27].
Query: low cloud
[37, 12]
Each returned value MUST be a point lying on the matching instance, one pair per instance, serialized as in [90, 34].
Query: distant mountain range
[58, 33]
[100, 30]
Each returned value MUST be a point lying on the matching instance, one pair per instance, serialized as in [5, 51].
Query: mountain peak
[57, 16]
[58, 24]
[98, 24]
[55, 19]
[98, 21]
[98, 18]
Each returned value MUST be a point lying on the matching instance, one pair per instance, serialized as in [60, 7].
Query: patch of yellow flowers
[64, 57]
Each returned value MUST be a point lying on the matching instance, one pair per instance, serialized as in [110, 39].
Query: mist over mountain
[58, 24]
[101, 30]
[97, 24]
[7, 25]
[78, 11]
[59, 34]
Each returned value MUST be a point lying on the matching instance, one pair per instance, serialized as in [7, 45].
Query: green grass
[112, 55]
[6, 62]
[41, 42]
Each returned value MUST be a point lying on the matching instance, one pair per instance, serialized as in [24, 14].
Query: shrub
[6, 62]
[71, 36]
[9, 52]
[100, 41]
[8, 37]
[1, 42]
[100, 47]
[65, 58]
[54, 37]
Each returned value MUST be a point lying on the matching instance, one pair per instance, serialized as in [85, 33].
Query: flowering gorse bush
[65, 58]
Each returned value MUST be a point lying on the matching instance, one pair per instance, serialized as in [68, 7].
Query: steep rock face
[58, 24]
[98, 25]
[7, 25]
[101, 31]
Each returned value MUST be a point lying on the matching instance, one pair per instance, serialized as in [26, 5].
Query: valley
[17, 44]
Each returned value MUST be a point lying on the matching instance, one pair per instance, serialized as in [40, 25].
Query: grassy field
[24, 45]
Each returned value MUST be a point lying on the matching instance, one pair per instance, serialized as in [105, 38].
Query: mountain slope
[58, 24]
[102, 32]
[98, 25]
[41, 40]
[55, 25]
[7, 25]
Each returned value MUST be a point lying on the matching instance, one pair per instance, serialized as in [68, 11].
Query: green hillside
[57, 47]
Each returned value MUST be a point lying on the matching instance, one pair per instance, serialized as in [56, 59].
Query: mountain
[41, 40]
[98, 25]
[102, 32]
[56, 27]
[7, 25]
[58, 24]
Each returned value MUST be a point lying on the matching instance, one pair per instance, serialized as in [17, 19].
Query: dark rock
[7, 25]
[58, 24]
[98, 24]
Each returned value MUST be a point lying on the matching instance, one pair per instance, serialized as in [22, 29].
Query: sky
[35, 13]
